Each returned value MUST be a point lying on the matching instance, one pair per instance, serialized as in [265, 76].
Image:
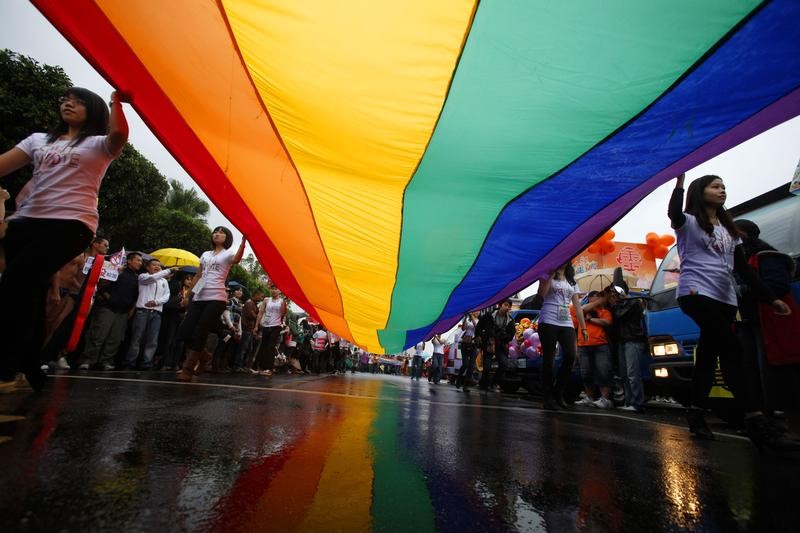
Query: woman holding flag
[56, 217]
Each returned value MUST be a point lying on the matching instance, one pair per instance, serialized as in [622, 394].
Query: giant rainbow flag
[395, 163]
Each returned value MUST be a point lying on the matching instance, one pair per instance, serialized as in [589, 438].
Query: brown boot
[205, 362]
[187, 370]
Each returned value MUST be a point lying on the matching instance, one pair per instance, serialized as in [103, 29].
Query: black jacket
[775, 270]
[487, 327]
[120, 296]
[628, 320]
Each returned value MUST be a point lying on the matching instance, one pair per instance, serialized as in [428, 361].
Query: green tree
[133, 190]
[240, 274]
[254, 268]
[29, 95]
[186, 200]
[168, 228]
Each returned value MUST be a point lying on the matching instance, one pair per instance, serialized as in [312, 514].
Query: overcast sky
[750, 169]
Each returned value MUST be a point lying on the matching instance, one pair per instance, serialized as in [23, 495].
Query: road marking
[510, 408]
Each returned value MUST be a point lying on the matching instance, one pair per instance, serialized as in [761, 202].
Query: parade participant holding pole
[56, 216]
[210, 298]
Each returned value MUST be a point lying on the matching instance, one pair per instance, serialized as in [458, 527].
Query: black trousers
[718, 340]
[270, 337]
[549, 335]
[35, 248]
[202, 318]
[487, 378]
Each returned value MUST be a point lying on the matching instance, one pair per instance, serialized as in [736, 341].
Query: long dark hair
[569, 272]
[96, 117]
[695, 207]
[228, 237]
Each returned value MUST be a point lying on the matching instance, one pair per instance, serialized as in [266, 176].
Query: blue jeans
[416, 367]
[629, 354]
[436, 367]
[243, 350]
[144, 330]
[595, 363]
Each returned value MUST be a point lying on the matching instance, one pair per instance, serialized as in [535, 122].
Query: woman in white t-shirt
[271, 319]
[416, 360]
[710, 248]
[209, 300]
[555, 326]
[56, 217]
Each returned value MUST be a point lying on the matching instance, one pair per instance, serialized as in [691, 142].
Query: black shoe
[768, 436]
[549, 405]
[36, 378]
[697, 424]
[562, 403]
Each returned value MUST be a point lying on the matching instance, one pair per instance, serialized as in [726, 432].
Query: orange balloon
[607, 247]
[594, 248]
[651, 239]
[660, 252]
[648, 254]
[666, 240]
[608, 236]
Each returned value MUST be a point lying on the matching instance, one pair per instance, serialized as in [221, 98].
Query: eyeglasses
[76, 101]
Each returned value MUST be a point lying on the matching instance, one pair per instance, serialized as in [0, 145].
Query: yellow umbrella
[171, 257]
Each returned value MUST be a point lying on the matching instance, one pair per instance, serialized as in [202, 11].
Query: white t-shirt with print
[215, 271]
[555, 306]
[706, 261]
[320, 338]
[66, 179]
[419, 349]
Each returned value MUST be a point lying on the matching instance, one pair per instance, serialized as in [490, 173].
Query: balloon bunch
[603, 245]
[520, 327]
[657, 246]
[526, 342]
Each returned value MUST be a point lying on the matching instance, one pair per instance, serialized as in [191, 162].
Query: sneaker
[628, 408]
[107, 367]
[603, 403]
[84, 366]
[585, 401]
[62, 364]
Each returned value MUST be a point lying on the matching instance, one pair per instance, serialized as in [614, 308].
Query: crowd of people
[152, 317]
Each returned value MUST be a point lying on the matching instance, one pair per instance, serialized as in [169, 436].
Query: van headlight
[665, 349]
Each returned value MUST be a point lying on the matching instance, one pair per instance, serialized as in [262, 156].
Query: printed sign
[794, 186]
[111, 266]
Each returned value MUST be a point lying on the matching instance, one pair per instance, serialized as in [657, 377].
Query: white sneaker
[84, 366]
[603, 403]
[628, 408]
[62, 364]
[585, 402]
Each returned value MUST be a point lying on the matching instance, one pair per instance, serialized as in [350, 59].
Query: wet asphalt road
[141, 452]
